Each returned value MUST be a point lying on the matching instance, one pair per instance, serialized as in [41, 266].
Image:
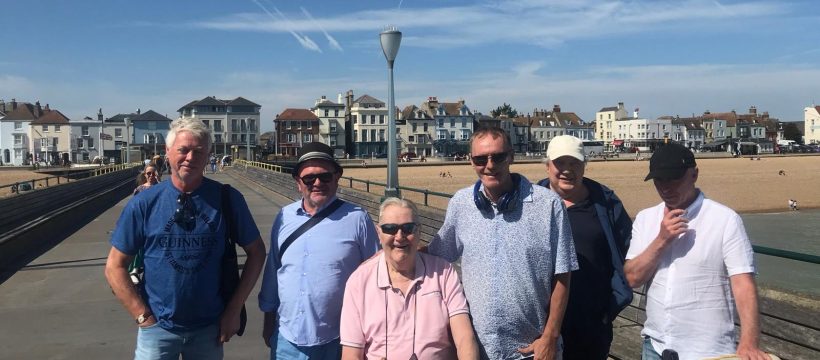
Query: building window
[90, 142]
[355, 118]
[56, 128]
[85, 156]
[452, 134]
[327, 112]
[305, 125]
[207, 123]
[79, 143]
[411, 138]
[381, 119]
[152, 125]
[333, 126]
[355, 135]
[18, 125]
[463, 123]
[333, 139]
[243, 138]
[372, 119]
[441, 123]
[84, 130]
[234, 138]
[291, 138]
[414, 126]
[217, 138]
[381, 134]
[373, 134]
[251, 124]
[234, 125]
[364, 135]
[45, 128]
[452, 122]
[287, 124]
[336, 113]
[307, 137]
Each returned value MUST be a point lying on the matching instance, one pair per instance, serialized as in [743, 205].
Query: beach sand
[742, 184]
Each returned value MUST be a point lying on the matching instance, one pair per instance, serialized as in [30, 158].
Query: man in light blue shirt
[302, 293]
[515, 245]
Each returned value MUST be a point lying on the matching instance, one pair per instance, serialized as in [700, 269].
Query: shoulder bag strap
[307, 225]
[228, 215]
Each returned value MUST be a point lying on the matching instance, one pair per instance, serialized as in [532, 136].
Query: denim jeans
[648, 352]
[156, 343]
[285, 350]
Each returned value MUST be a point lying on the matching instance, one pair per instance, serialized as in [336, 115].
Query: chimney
[39, 108]
[47, 108]
[324, 97]
[13, 104]
[339, 99]
[138, 111]
[100, 115]
[556, 108]
[753, 110]
[620, 106]
[636, 113]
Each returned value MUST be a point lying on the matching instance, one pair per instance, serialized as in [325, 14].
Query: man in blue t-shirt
[180, 227]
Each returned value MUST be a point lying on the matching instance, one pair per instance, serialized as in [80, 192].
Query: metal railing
[34, 184]
[350, 181]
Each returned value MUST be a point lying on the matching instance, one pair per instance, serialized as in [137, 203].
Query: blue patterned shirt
[307, 289]
[508, 261]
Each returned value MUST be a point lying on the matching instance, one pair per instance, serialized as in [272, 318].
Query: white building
[50, 137]
[86, 139]
[642, 133]
[369, 117]
[417, 129]
[605, 124]
[331, 123]
[234, 123]
[811, 125]
[17, 137]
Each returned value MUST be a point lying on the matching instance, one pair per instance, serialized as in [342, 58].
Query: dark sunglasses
[184, 213]
[323, 177]
[481, 160]
[392, 229]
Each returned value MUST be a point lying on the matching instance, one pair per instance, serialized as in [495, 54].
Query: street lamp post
[390, 41]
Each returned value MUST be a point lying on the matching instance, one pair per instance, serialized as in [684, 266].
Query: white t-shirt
[689, 302]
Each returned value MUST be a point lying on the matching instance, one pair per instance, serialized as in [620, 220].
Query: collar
[693, 209]
[301, 209]
[383, 278]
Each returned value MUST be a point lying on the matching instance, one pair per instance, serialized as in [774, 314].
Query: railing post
[46, 182]
[426, 192]
[350, 180]
[367, 185]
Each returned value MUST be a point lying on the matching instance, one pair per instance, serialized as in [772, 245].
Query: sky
[679, 57]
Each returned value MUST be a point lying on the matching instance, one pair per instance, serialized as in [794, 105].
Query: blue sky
[665, 57]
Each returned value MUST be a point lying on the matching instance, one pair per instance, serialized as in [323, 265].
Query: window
[327, 112]
[452, 122]
[243, 138]
[152, 125]
[364, 135]
[287, 124]
[234, 138]
[243, 125]
[414, 126]
[422, 139]
[335, 114]
[411, 138]
[207, 123]
[234, 125]
[305, 125]
[217, 138]
[291, 138]
[355, 135]
[117, 133]
[381, 119]
[372, 119]
[45, 128]
[373, 135]
[18, 125]
[333, 127]
[442, 135]
[79, 143]
[463, 123]
[218, 125]
[333, 139]
[425, 127]
[381, 135]
[452, 134]
[355, 117]
[85, 156]
[85, 130]
[18, 139]
[441, 123]
[56, 128]
[251, 124]
[90, 143]
[307, 137]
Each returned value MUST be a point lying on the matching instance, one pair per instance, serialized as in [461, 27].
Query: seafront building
[331, 116]
[811, 125]
[295, 127]
[235, 124]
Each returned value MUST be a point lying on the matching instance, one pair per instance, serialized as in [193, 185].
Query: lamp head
[391, 40]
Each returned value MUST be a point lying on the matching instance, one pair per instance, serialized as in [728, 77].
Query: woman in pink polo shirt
[402, 304]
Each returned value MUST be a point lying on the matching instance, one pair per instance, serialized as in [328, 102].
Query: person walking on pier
[316, 243]
[694, 255]
[182, 230]
[601, 229]
[515, 244]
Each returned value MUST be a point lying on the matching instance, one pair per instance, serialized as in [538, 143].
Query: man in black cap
[694, 254]
[316, 243]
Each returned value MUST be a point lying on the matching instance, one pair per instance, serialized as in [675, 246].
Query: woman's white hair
[403, 203]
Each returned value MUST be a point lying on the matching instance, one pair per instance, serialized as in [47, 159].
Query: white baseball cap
[566, 145]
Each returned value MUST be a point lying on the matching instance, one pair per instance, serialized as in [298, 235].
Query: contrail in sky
[306, 42]
[333, 43]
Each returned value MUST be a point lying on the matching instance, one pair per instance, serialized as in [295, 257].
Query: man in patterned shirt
[516, 249]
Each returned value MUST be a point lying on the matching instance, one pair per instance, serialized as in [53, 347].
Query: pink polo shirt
[373, 311]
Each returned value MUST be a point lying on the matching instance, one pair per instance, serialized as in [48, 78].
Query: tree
[504, 110]
[792, 132]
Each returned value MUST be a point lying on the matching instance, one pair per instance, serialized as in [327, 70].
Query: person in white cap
[601, 229]
[316, 243]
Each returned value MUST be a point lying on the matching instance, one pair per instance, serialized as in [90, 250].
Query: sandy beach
[742, 184]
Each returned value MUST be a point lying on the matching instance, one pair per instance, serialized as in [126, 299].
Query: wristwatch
[143, 318]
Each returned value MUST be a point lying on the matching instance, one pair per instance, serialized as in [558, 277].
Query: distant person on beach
[180, 227]
[515, 244]
[601, 229]
[436, 326]
[694, 254]
[310, 261]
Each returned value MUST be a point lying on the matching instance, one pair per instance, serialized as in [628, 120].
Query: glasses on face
[311, 178]
[184, 213]
[392, 229]
[150, 173]
[481, 160]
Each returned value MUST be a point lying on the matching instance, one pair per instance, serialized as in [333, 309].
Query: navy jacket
[617, 227]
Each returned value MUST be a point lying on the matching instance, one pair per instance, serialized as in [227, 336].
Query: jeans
[285, 350]
[156, 343]
[649, 352]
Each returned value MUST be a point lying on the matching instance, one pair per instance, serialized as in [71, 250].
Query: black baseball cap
[670, 162]
[315, 151]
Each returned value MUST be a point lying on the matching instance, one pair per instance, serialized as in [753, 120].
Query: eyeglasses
[392, 229]
[311, 178]
[150, 173]
[481, 160]
[184, 213]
